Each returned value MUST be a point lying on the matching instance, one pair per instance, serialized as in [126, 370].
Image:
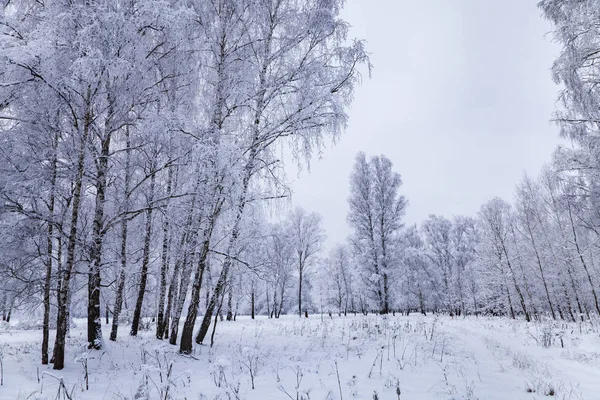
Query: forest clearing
[352, 357]
[195, 202]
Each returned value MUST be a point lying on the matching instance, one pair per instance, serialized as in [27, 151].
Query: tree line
[137, 136]
[139, 159]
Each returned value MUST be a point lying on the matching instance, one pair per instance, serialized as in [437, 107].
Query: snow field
[352, 357]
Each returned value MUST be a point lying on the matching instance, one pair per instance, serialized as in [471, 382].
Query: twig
[338, 379]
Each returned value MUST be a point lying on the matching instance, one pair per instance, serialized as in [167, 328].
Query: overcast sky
[460, 100]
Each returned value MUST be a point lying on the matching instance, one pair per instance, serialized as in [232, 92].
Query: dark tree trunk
[3, 305]
[280, 305]
[268, 300]
[49, 250]
[560, 312]
[422, 303]
[120, 285]
[164, 268]
[94, 321]
[544, 282]
[230, 302]
[59, 274]
[241, 204]
[137, 314]
[512, 310]
[189, 240]
[171, 294]
[516, 285]
[300, 294]
[252, 303]
[10, 306]
[187, 334]
[583, 263]
[386, 294]
[63, 294]
[178, 305]
[569, 305]
[118, 307]
[206, 321]
[220, 286]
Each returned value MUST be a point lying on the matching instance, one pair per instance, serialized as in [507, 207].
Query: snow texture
[390, 357]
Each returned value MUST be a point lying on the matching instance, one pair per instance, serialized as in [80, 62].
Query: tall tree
[376, 210]
[299, 48]
[307, 237]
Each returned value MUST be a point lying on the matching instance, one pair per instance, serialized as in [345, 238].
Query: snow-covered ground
[353, 357]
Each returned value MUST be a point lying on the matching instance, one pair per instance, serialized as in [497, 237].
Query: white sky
[460, 101]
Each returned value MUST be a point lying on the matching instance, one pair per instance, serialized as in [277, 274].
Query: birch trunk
[63, 294]
[124, 231]
[137, 313]
[49, 250]
[164, 268]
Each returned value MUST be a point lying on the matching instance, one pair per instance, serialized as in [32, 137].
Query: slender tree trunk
[386, 294]
[339, 299]
[516, 285]
[124, 231]
[422, 302]
[172, 294]
[568, 300]
[241, 204]
[61, 328]
[583, 263]
[69, 301]
[182, 270]
[183, 290]
[230, 302]
[10, 307]
[120, 284]
[59, 274]
[252, 303]
[268, 300]
[94, 321]
[523, 274]
[220, 286]
[187, 333]
[540, 267]
[49, 250]
[574, 287]
[208, 285]
[281, 301]
[375, 262]
[300, 288]
[164, 269]
[137, 314]
[512, 310]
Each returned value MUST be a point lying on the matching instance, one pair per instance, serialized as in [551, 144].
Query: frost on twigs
[158, 378]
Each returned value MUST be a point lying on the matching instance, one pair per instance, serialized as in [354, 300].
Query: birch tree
[300, 79]
[376, 211]
[307, 237]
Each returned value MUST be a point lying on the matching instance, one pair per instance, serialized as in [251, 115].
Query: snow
[433, 357]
